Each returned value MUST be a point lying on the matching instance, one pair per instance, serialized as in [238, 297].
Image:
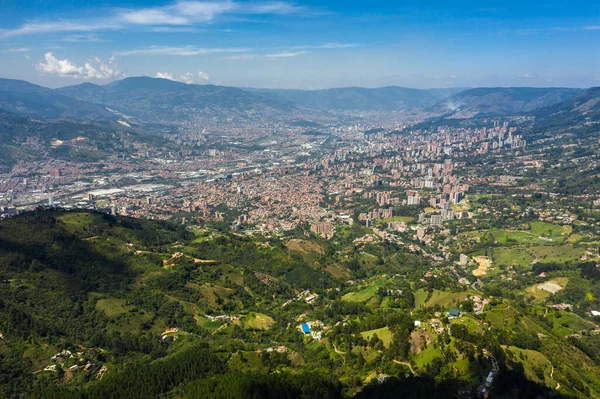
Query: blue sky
[304, 44]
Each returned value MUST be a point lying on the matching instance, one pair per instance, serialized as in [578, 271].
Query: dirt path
[220, 328]
[339, 352]
[407, 364]
[552, 376]
[196, 260]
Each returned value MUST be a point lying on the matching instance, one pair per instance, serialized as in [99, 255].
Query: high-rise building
[323, 228]
[436, 220]
[414, 200]
[457, 197]
[383, 198]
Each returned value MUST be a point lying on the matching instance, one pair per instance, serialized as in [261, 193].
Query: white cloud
[164, 75]
[187, 77]
[592, 27]
[60, 67]
[183, 51]
[174, 29]
[91, 37]
[14, 50]
[197, 78]
[280, 55]
[204, 11]
[190, 12]
[274, 7]
[31, 28]
[93, 69]
[107, 71]
[151, 16]
[327, 46]
[180, 13]
[242, 57]
[286, 54]
[338, 45]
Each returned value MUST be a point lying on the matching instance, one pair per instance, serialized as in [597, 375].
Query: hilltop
[31, 100]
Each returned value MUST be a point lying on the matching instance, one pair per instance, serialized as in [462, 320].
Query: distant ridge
[148, 100]
[165, 101]
[499, 101]
[390, 98]
[26, 99]
[580, 109]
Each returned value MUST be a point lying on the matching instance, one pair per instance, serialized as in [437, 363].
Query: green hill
[98, 306]
[68, 140]
[494, 101]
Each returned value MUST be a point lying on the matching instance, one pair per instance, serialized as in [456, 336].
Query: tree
[459, 331]
[467, 305]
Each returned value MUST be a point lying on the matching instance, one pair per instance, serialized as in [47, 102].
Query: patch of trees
[415, 388]
[589, 344]
[250, 386]
[144, 380]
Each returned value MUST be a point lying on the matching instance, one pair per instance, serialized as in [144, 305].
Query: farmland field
[447, 299]
[258, 321]
[364, 294]
[383, 334]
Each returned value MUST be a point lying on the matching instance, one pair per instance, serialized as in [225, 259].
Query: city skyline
[305, 44]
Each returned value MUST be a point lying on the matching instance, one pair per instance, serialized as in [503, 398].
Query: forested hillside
[25, 139]
[98, 306]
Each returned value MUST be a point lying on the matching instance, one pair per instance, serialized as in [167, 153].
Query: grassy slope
[383, 334]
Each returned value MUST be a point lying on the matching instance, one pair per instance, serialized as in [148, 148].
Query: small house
[305, 328]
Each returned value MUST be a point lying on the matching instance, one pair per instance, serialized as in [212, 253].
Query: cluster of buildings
[362, 178]
[324, 229]
[378, 213]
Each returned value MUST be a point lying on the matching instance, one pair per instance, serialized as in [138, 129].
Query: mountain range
[145, 100]
[499, 101]
[31, 100]
[391, 98]
[30, 139]
[580, 109]
[165, 101]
